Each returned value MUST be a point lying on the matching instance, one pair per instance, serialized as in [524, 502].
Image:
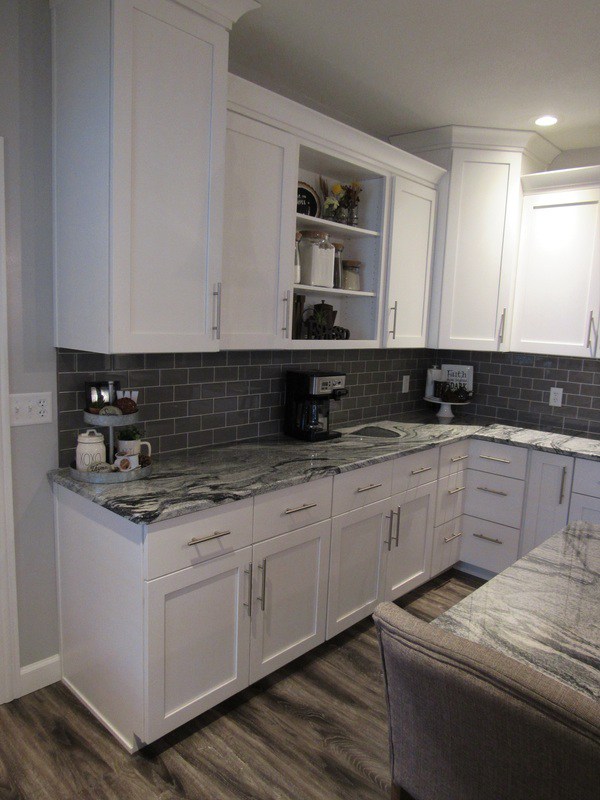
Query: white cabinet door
[557, 296]
[261, 173]
[547, 498]
[409, 265]
[139, 123]
[289, 597]
[409, 553]
[584, 508]
[480, 250]
[355, 581]
[198, 634]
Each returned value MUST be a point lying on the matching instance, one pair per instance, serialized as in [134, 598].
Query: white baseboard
[39, 674]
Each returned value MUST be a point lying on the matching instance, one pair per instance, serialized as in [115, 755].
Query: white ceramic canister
[316, 259]
[90, 450]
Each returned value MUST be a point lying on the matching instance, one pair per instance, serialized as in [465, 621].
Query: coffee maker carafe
[307, 396]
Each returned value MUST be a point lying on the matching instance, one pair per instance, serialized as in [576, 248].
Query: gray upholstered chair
[469, 723]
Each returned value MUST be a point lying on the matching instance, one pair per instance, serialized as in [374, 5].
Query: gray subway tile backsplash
[197, 399]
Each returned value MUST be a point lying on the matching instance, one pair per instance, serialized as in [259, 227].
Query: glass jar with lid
[337, 269]
[316, 259]
[351, 275]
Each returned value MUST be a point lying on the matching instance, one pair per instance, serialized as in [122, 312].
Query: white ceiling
[393, 66]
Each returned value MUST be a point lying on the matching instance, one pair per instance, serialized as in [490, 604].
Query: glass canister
[90, 450]
[297, 268]
[337, 267]
[316, 259]
[351, 275]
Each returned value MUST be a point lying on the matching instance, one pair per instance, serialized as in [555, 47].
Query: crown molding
[561, 179]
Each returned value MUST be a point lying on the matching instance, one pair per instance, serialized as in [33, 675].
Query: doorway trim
[9, 633]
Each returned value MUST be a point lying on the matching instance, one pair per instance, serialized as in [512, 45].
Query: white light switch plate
[31, 409]
[556, 395]
[405, 383]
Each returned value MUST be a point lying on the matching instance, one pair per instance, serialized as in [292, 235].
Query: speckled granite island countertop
[544, 610]
[199, 479]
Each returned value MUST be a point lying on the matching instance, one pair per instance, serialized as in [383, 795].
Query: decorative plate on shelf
[308, 201]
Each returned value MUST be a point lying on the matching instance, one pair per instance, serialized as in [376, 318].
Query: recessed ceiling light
[546, 121]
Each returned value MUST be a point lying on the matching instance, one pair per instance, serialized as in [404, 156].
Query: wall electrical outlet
[31, 409]
[556, 396]
[405, 383]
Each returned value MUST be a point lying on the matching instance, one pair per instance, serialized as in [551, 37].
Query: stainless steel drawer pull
[590, 328]
[389, 541]
[458, 458]
[368, 488]
[488, 538]
[458, 489]
[398, 511]
[263, 586]
[300, 508]
[248, 605]
[451, 538]
[493, 491]
[494, 458]
[420, 470]
[215, 535]
[562, 486]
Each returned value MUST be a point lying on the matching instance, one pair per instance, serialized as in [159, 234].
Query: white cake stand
[445, 411]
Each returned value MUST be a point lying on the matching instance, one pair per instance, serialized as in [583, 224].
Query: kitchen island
[544, 610]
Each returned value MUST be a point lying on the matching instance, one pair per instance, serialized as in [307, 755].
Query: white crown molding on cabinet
[251, 100]
[9, 637]
[530, 143]
[561, 179]
[222, 12]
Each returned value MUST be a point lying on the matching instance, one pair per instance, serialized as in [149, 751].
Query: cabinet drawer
[361, 486]
[291, 508]
[447, 541]
[494, 497]
[501, 459]
[488, 545]
[415, 470]
[587, 477]
[173, 545]
[454, 457]
[451, 495]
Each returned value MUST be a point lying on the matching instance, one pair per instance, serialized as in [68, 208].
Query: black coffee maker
[307, 396]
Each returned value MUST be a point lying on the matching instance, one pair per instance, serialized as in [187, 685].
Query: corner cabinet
[140, 91]
[557, 295]
[272, 144]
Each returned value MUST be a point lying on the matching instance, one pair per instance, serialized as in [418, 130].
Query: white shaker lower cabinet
[195, 658]
[408, 556]
[289, 596]
[355, 582]
[585, 500]
[547, 498]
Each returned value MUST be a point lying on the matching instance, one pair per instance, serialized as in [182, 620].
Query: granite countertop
[543, 610]
[199, 479]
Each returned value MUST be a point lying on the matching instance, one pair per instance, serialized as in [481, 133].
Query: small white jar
[316, 259]
[90, 450]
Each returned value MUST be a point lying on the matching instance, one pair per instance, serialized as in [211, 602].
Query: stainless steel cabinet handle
[501, 328]
[300, 508]
[450, 538]
[215, 535]
[590, 328]
[420, 470]
[493, 491]
[488, 538]
[495, 458]
[217, 326]
[287, 299]
[562, 486]
[458, 489]
[394, 308]
[389, 539]
[369, 487]
[263, 585]
[398, 512]
[248, 605]
[459, 458]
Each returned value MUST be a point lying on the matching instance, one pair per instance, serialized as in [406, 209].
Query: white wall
[588, 157]
[25, 122]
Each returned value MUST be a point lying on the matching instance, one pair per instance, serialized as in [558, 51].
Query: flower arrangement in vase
[340, 203]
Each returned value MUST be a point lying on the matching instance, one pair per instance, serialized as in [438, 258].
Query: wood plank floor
[315, 730]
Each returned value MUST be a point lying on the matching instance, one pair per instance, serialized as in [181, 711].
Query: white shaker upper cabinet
[557, 297]
[481, 249]
[139, 128]
[409, 271]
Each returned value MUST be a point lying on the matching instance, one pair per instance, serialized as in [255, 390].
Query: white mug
[127, 461]
[133, 447]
